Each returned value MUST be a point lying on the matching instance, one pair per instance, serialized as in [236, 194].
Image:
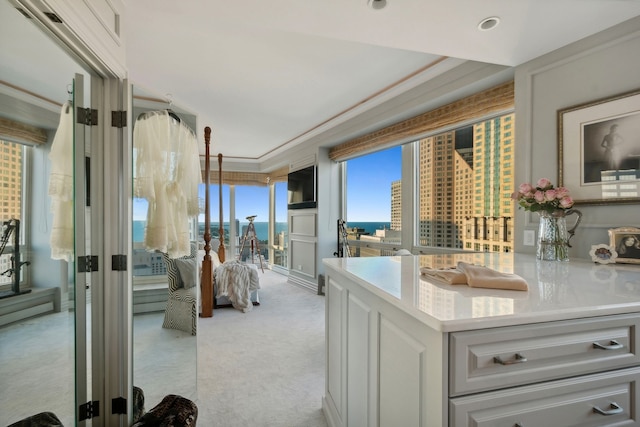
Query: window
[280, 238]
[252, 202]
[374, 202]
[470, 169]
[11, 189]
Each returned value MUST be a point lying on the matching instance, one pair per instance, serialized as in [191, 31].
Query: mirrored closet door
[46, 294]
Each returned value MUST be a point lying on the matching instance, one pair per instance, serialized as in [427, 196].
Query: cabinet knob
[519, 358]
[615, 409]
[613, 345]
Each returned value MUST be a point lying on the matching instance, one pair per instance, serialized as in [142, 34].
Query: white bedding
[236, 281]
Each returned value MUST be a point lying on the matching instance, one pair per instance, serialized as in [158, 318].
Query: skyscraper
[465, 184]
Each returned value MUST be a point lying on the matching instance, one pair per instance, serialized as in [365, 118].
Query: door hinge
[119, 405]
[119, 119]
[118, 262]
[88, 410]
[87, 116]
[87, 264]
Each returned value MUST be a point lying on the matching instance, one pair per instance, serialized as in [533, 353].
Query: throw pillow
[187, 270]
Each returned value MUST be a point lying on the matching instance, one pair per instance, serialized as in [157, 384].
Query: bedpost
[221, 231]
[206, 279]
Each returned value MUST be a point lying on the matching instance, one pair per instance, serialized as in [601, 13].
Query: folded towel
[483, 277]
[451, 275]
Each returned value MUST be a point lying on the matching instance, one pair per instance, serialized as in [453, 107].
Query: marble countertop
[557, 290]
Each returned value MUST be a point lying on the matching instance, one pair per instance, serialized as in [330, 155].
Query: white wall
[597, 67]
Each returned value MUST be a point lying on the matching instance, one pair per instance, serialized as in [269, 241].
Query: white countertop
[557, 290]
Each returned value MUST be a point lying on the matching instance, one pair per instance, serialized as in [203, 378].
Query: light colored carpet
[264, 367]
[261, 368]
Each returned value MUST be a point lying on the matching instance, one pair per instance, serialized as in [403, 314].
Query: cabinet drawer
[504, 357]
[569, 402]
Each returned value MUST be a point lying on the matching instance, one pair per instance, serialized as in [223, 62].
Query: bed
[224, 283]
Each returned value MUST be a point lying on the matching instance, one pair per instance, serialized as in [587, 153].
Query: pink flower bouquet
[543, 197]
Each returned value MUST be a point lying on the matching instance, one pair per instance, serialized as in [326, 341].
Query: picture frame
[626, 242]
[603, 254]
[599, 150]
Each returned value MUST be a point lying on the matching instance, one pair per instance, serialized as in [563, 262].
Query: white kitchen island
[403, 350]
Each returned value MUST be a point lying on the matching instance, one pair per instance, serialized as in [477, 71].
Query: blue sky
[369, 181]
[368, 193]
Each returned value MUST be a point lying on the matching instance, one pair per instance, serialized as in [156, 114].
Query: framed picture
[603, 254]
[599, 150]
[626, 242]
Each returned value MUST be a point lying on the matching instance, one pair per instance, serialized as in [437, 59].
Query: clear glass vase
[553, 235]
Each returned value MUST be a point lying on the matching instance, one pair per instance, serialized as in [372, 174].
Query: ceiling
[269, 76]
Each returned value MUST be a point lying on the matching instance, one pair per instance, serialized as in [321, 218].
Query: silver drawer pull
[613, 345]
[615, 409]
[518, 359]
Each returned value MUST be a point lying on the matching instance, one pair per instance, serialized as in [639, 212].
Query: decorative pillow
[187, 271]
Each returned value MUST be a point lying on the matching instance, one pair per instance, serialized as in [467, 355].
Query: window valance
[251, 178]
[493, 100]
[21, 133]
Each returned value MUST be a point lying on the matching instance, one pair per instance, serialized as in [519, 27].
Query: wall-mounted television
[301, 186]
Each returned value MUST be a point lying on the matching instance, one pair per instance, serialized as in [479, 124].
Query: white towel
[476, 276]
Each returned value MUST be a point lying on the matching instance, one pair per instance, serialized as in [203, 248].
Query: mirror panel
[157, 349]
[38, 330]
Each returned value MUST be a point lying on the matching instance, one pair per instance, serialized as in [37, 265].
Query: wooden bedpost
[206, 279]
[221, 231]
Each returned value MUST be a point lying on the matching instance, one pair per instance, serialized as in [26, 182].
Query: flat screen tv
[301, 186]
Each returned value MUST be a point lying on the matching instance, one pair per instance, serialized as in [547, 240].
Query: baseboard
[150, 298]
[35, 303]
[328, 414]
[304, 284]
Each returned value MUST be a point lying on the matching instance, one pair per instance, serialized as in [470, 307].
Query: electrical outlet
[529, 237]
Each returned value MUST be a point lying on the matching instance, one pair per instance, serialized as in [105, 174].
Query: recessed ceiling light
[377, 4]
[488, 23]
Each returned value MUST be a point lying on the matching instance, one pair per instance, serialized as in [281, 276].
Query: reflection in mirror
[164, 356]
[37, 327]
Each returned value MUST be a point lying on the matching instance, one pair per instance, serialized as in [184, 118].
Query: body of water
[369, 227]
[262, 228]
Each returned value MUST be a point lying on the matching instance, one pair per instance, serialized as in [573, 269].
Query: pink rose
[516, 195]
[539, 196]
[550, 195]
[561, 192]
[525, 188]
[543, 183]
[566, 202]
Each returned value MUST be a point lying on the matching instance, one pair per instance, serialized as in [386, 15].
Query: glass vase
[553, 235]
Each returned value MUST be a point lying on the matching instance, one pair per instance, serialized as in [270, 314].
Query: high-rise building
[465, 186]
[493, 158]
[10, 180]
[396, 205]
[436, 185]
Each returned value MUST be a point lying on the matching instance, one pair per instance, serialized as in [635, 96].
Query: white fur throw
[236, 281]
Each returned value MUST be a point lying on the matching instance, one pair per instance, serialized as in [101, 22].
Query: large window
[464, 187]
[374, 202]
[462, 197]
